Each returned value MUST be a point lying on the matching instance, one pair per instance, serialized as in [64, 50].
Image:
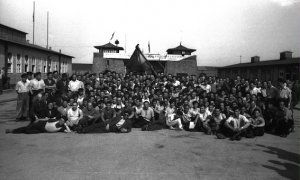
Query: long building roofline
[295, 60]
[25, 44]
[12, 28]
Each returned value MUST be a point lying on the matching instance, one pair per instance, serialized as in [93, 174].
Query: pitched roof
[26, 44]
[265, 63]
[181, 48]
[109, 46]
[10, 28]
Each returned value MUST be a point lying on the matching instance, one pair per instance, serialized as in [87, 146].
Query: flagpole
[47, 29]
[125, 42]
[33, 20]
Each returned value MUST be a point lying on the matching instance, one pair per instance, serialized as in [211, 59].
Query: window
[19, 64]
[44, 65]
[281, 74]
[54, 66]
[49, 65]
[33, 64]
[62, 67]
[295, 77]
[66, 67]
[38, 65]
[288, 76]
[10, 63]
[26, 62]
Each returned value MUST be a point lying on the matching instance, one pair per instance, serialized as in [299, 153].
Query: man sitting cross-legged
[146, 117]
[90, 115]
[235, 126]
[74, 116]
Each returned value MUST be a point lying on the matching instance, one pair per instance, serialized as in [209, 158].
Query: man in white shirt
[237, 125]
[74, 116]
[206, 87]
[22, 89]
[75, 85]
[37, 84]
[254, 90]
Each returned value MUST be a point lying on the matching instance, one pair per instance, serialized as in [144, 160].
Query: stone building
[178, 60]
[285, 67]
[18, 56]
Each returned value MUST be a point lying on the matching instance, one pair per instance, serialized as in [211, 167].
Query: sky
[220, 30]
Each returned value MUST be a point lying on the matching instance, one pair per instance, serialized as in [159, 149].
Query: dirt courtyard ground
[164, 154]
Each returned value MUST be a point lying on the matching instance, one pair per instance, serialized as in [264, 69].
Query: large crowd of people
[112, 102]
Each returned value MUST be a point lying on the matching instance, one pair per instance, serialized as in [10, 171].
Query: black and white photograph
[150, 89]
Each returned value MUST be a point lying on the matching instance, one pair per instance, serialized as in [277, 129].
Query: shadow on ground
[289, 170]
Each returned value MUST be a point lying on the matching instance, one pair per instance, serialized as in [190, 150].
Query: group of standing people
[112, 102]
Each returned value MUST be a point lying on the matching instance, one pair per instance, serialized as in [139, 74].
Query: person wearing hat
[50, 83]
[22, 89]
[62, 85]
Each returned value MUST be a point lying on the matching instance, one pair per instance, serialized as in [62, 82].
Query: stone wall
[101, 64]
[188, 65]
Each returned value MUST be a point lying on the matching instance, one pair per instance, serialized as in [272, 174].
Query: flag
[149, 46]
[139, 63]
[112, 36]
[33, 15]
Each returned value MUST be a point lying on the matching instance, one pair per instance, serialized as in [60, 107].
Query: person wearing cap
[50, 83]
[62, 85]
[22, 89]
[56, 77]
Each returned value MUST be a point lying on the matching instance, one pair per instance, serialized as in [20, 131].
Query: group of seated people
[111, 102]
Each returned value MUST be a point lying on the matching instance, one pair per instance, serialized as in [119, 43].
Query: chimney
[255, 59]
[286, 55]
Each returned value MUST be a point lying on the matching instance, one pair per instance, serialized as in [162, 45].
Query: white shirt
[51, 127]
[238, 122]
[37, 85]
[255, 91]
[22, 87]
[75, 85]
[120, 123]
[203, 116]
[74, 115]
[206, 87]
[176, 83]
